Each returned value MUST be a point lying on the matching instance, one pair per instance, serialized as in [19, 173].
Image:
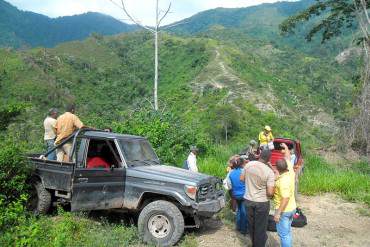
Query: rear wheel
[40, 199]
[161, 223]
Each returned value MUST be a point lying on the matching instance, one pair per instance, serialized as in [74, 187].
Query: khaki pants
[63, 152]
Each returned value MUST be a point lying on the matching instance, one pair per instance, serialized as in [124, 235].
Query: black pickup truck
[108, 171]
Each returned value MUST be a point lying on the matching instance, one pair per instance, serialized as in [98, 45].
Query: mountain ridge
[21, 29]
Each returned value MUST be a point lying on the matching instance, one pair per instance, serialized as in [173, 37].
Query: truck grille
[207, 191]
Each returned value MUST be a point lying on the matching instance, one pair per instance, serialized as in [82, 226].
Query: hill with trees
[262, 22]
[22, 29]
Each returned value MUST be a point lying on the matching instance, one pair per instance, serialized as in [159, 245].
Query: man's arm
[271, 137]
[286, 151]
[77, 122]
[283, 204]
[54, 127]
[270, 189]
[285, 192]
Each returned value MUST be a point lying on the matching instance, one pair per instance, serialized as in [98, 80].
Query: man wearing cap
[192, 159]
[50, 132]
[265, 137]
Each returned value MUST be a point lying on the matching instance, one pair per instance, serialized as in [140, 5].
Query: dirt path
[331, 222]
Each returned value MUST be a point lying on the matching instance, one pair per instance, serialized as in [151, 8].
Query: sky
[142, 10]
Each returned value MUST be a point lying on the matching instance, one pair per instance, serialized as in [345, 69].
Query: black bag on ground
[299, 219]
[271, 224]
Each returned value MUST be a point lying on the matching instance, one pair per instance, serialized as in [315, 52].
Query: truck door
[98, 180]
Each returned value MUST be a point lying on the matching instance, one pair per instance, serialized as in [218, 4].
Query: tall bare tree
[362, 122]
[159, 17]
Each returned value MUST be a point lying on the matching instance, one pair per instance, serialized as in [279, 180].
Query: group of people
[252, 182]
[57, 129]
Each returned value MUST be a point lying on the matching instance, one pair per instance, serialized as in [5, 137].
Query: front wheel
[161, 223]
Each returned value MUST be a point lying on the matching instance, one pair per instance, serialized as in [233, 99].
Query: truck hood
[168, 174]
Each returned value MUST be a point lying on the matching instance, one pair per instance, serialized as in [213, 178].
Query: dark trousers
[233, 203]
[241, 217]
[258, 213]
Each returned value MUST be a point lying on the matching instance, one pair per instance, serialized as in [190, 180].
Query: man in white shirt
[50, 132]
[192, 159]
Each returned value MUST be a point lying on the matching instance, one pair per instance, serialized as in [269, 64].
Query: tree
[155, 31]
[336, 16]
[225, 121]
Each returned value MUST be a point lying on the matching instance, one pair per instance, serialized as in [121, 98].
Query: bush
[65, 229]
[13, 171]
[168, 135]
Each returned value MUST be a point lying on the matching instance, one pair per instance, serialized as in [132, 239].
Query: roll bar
[73, 136]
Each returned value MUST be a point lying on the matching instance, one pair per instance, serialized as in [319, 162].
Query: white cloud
[142, 9]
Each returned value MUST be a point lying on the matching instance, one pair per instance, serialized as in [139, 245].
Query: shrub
[13, 171]
[168, 135]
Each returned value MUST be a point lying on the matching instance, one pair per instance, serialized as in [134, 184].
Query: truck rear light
[191, 191]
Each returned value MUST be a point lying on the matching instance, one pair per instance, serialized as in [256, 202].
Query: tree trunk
[156, 60]
[226, 133]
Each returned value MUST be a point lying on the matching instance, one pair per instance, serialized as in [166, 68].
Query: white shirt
[192, 162]
[49, 125]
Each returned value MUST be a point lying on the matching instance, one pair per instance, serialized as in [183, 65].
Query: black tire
[163, 213]
[40, 199]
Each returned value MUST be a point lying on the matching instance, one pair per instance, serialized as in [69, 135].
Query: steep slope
[27, 29]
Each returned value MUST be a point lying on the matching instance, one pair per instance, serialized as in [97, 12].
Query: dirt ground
[331, 222]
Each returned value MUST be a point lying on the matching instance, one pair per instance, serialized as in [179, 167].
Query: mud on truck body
[167, 199]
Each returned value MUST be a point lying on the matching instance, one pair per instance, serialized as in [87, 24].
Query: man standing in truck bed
[65, 126]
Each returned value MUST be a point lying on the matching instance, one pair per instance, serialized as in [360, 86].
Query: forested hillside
[223, 75]
[239, 86]
[262, 22]
[22, 29]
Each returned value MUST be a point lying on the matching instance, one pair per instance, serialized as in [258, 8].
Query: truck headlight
[191, 191]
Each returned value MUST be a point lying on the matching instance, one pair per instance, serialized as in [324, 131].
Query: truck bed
[54, 175]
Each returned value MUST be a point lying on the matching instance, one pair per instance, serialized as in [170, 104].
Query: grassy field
[352, 182]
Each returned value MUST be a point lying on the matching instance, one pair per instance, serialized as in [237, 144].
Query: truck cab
[107, 171]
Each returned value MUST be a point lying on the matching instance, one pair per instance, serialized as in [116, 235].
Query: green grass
[75, 230]
[215, 163]
[351, 183]
[68, 229]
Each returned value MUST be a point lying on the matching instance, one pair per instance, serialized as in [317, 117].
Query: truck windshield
[138, 152]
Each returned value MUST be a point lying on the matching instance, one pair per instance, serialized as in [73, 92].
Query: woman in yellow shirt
[285, 204]
[265, 137]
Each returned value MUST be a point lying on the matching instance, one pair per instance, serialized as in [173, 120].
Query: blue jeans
[284, 228]
[241, 217]
[50, 145]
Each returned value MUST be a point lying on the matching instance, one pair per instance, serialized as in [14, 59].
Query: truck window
[80, 152]
[137, 150]
[102, 154]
